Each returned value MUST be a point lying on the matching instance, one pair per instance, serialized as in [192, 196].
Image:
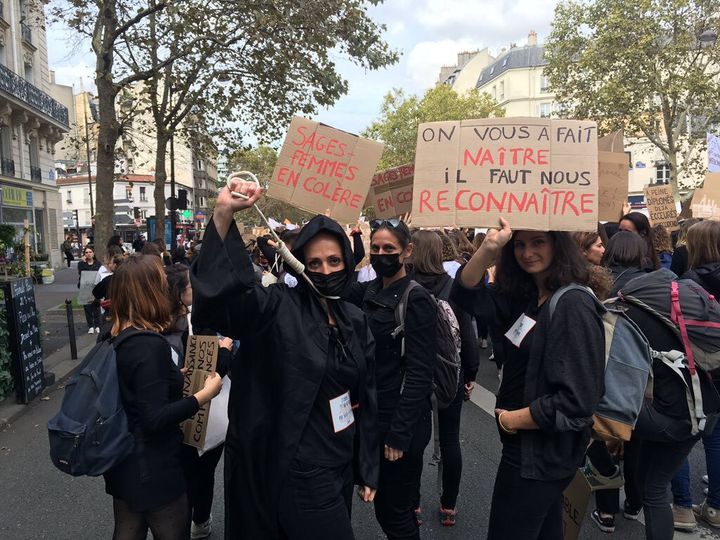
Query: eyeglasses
[389, 223]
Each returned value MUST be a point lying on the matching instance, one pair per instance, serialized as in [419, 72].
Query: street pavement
[42, 503]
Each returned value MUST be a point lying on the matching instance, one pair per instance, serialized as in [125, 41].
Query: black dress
[284, 353]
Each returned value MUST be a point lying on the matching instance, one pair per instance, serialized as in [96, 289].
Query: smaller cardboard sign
[612, 184]
[87, 284]
[201, 355]
[323, 169]
[575, 502]
[661, 206]
[391, 191]
[706, 200]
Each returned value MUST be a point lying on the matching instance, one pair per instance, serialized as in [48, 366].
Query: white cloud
[426, 58]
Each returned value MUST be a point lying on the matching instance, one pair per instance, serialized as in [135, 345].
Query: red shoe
[447, 516]
[418, 511]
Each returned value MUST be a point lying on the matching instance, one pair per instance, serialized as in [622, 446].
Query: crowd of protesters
[330, 394]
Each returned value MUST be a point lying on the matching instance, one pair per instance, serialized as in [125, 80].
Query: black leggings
[449, 433]
[200, 476]
[527, 509]
[168, 522]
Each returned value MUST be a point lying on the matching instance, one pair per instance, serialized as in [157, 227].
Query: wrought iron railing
[2, 11]
[25, 32]
[15, 85]
[35, 174]
[7, 166]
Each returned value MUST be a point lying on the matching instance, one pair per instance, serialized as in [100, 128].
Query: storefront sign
[16, 197]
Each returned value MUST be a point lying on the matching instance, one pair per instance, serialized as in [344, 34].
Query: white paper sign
[341, 411]
[520, 329]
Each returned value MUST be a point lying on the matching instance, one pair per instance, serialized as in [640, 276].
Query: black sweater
[564, 377]
[151, 390]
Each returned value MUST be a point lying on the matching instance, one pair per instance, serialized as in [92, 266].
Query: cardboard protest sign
[321, 168]
[391, 192]
[612, 142]
[540, 174]
[87, 284]
[575, 501]
[200, 360]
[706, 200]
[612, 185]
[661, 206]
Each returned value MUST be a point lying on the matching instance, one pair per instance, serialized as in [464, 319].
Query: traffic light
[182, 199]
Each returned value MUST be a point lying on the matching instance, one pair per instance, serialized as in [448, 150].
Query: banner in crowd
[613, 168]
[200, 360]
[713, 150]
[321, 168]
[706, 200]
[540, 174]
[391, 191]
[661, 206]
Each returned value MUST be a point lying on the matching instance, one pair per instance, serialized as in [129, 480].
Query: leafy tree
[401, 115]
[641, 65]
[261, 162]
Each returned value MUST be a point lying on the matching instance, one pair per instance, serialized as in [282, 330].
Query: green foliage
[640, 65]
[7, 235]
[261, 162]
[6, 380]
[400, 116]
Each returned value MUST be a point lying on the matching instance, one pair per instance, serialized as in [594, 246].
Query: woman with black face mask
[302, 409]
[404, 381]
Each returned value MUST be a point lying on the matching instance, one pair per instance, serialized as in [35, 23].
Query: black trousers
[449, 433]
[200, 478]
[527, 509]
[69, 257]
[400, 484]
[92, 314]
[315, 503]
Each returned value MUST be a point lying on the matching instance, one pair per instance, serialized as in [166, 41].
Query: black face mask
[332, 284]
[386, 265]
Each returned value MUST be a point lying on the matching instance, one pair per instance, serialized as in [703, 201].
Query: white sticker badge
[341, 411]
[520, 329]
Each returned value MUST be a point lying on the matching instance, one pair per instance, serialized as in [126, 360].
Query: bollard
[71, 329]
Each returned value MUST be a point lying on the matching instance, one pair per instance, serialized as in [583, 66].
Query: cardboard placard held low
[391, 192]
[661, 207]
[706, 200]
[575, 502]
[612, 185]
[321, 168]
[200, 360]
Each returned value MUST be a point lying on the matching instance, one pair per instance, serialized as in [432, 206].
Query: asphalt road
[42, 503]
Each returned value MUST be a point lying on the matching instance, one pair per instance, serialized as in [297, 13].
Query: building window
[545, 110]
[494, 92]
[505, 61]
[662, 172]
[128, 193]
[86, 195]
[200, 165]
[544, 84]
[69, 197]
[492, 70]
[502, 91]
[143, 196]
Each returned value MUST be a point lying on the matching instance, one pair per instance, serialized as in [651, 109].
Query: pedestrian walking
[92, 309]
[67, 249]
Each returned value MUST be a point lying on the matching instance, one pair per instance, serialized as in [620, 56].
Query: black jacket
[620, 275]
[564, 376]
[469, 353]
[398, 413]
[284, 347]
[707, 276]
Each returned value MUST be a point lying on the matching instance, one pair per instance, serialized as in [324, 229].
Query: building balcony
[7, 166]
[35, 174]
[26, 33]
[19, 88]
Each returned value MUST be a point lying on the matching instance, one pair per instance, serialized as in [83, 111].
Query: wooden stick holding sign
[200, 360]
[542, 174]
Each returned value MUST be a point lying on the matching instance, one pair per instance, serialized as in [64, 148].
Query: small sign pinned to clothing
[341, 412]
[520, 329]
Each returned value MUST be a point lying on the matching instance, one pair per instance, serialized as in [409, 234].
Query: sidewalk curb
[62, 366]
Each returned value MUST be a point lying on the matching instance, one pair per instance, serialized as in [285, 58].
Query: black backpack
[446, 372]
[90, 434]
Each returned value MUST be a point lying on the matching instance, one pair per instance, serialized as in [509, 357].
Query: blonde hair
[684, 228]
[139, 295]
[703, 243]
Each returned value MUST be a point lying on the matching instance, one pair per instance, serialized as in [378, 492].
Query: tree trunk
[109, 126]
[160, 180]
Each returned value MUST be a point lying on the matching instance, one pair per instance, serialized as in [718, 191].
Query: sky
[427, 33]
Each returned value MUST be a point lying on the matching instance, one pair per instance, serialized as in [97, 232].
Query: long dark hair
[643, 228]
[178, 278]
[568, 266]
[625, 249]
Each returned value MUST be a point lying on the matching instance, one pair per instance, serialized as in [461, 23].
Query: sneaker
[483, 344]
[705, 479]
[447, 516]
[202, 530]
[605, 523]
[707, 513]
[684, 518]
[629, 512]
[418, 512]
[91, 330]
[97, 329]
[597, 481]
[491, 358]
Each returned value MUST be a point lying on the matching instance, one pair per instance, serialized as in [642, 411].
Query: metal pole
[172, 192]
[71, 328]
[86, 104]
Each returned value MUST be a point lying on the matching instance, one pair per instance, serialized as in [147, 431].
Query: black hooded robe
[284, 345]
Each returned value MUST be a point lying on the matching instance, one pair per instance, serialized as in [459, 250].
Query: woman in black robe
[292, 451]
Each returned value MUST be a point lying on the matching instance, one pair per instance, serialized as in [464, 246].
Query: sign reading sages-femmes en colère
[539, 174]
[321, 168]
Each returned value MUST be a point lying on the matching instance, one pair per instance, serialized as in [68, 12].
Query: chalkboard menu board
[24, 339]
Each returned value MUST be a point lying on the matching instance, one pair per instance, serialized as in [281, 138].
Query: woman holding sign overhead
[302, 409]
[553, 371]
